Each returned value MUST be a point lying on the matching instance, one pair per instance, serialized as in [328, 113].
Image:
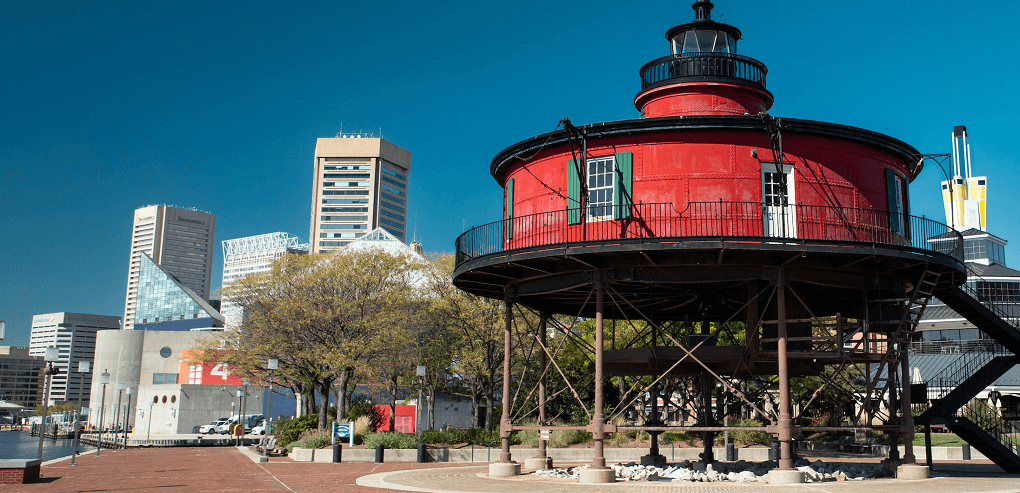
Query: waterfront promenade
[201, 469]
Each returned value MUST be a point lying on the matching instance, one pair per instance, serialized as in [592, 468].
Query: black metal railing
[962, 368]
[995, 303]
[954, 346]
[987, 418]
[705, 65]
[713, 220]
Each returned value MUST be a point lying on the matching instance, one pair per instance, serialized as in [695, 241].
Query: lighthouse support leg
[506, 466]
[785, 474]
[598, 472]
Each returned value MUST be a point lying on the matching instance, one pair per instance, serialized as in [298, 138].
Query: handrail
[703, 64]
[985, 417]
[714, 219]
[992, 305]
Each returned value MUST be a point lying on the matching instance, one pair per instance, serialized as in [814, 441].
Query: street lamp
[148, 430]
[104, 378]
[83, 368]
[127, 417]
[52, 354]
[271, 364]
[116, 420]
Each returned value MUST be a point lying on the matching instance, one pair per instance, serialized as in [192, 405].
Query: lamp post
[52, 354]
[271, 364]
[148, 430]
[127, 417]
[244, 406]
[104, 378]
[116, 419]
[83, 368]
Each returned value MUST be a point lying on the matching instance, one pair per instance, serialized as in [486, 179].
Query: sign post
[343, 430]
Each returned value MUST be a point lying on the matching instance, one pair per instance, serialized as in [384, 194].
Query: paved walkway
[200, 469]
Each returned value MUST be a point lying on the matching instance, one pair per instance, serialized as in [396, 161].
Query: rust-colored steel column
[504, 421]
[785, 418]
[907, 423]
[598, 419]
[542, 363]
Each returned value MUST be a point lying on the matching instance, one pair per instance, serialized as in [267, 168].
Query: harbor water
[21, 445]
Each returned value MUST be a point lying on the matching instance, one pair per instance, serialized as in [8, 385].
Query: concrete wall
[482, 454]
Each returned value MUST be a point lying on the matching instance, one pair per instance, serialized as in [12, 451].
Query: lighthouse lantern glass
[704, 41]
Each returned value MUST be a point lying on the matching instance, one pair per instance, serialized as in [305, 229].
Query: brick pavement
[207, 469]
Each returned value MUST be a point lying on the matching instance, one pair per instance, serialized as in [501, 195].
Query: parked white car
[259, 429]
[213, 427]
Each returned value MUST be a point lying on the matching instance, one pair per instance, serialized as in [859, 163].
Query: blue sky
[109, 106]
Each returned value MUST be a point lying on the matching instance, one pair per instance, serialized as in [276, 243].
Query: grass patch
[940, 440]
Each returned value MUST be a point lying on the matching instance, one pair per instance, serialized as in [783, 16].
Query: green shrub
[674, 437]
[751, 437]
[292, 429]
[528, 438]
[391, 440]
[312, 439]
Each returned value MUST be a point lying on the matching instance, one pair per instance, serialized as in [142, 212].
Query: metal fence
[715, 65]
[717, 219]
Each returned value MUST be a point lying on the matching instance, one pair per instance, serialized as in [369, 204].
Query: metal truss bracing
[260, 245]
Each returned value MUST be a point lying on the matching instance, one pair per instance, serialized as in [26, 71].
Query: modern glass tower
[181, 241]
[166, 303]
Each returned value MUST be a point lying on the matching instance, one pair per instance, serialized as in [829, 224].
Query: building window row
[392, 223]
[345, 201]
[347, 167]
[164, 378]
[394, 173]
[392, 206]
[392, 190]
[343, 218]
[343, 226]
[345, 184]
[391, 215]
[341, 235]
[345, 192]
[333, 243]
[393, 182]
[347, 176]
[345, 209]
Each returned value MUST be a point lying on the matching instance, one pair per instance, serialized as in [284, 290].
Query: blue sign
[342, 431]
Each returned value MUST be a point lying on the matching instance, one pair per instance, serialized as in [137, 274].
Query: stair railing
[962, 368]
[987, 418]
[994, 305]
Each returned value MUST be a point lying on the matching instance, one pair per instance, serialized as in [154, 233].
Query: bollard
[338, 450]
[966, 451]
[379, 450]
[422, 457]
[774, 451]
[730, 455]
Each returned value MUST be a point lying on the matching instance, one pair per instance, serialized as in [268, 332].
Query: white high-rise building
[252, 255]
[181, 241]
[360, 184]
[74, 336]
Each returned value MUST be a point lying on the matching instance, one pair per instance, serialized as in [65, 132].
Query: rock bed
[739, 472]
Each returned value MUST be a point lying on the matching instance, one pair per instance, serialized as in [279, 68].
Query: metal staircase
[951, 392]
[885, 373]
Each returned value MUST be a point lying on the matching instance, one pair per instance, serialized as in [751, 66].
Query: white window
[601, 188]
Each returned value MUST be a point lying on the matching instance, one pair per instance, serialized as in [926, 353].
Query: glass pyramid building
[164, 303]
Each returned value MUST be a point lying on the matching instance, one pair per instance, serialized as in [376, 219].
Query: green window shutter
[622, 197]
[891, 205]
[573, 193]
[510, 208]
[906, 208]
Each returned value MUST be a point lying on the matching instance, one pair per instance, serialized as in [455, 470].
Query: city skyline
[152, 104]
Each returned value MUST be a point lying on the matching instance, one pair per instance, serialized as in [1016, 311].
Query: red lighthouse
[736, 244]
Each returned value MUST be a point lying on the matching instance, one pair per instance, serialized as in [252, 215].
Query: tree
[320, 315]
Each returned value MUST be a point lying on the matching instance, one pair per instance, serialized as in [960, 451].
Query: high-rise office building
[360, 184]
[74, 336]
[252, 255]
[21, 377]
[180, 241]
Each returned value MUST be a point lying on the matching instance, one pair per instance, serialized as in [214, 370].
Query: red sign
[205, 373]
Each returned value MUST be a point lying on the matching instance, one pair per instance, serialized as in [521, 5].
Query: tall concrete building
[360, 184]
[21, 377]
[252, 255]
[180, 241]
[74, 336]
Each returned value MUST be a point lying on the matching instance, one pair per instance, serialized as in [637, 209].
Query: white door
[778, 210]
